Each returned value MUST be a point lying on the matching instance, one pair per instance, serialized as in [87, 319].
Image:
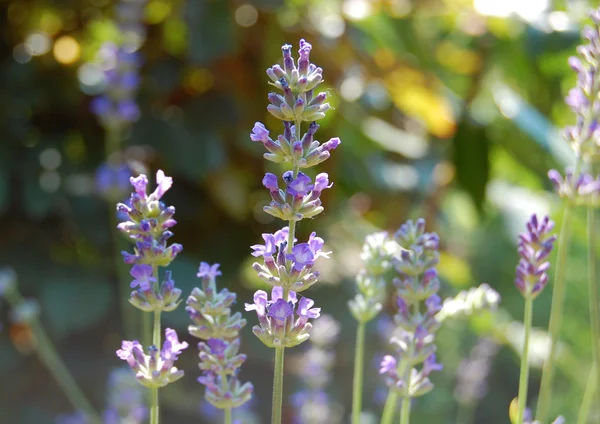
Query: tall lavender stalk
[148, 224]
[578, 188]
[288, 267]
[418, 304]
[219, 355]
[534, 247]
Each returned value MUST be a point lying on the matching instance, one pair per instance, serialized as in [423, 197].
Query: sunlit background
[447, 109]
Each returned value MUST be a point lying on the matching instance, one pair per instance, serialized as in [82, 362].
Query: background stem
[278, 386]
[588, 396]
[389, 410]
[50, 358]
[593, 294]
[358, 373]
[556, 314]
[524, 374]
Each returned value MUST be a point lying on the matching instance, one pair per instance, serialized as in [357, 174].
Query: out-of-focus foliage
[447, 109]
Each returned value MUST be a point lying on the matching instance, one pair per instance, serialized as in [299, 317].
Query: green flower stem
[156, 332]
[359, 354]
[47, 353]
[228, 416]
[466, 413]
[556, 313]
[405, 411]
[524, 375]
[588, 396]
[593, 293]
[389, 410]
[278, 386]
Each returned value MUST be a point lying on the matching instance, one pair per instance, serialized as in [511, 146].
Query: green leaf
[471, 160]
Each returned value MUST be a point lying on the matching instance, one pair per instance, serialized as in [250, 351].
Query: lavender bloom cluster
[155, 369]
[288, 267]
[294, 270]
[116, 107]
[579, 187]
[417, 286]
[377, 254]
[149, 221]
[313, 405]
[534, 247]
[219, 355]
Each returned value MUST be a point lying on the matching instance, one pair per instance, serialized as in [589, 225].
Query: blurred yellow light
[384, 58]
[459, 60]
[157, 11]
[246, 15]
[66, 50]
[199, 80]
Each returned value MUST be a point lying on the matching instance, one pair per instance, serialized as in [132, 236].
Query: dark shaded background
[445, 111]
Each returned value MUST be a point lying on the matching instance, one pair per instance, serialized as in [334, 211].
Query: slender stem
[524, 375]
[278, 386]
[154, 410]
[227, 417]
[50, 358]
[556, 314]
[389, 410]
[466, 413]
[359, 354]
[593, 293]
[588, 396]
[227, 412]
[405, 411]
[156, 333]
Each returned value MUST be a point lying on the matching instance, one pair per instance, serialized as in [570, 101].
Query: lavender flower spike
[534, 247]
[155, 369]
[219, 355]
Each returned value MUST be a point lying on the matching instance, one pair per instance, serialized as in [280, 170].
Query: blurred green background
[447, 109]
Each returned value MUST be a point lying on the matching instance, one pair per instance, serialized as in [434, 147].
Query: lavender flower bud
[469, 302]
[534, 247]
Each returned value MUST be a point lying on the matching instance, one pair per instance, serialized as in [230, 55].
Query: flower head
[155, 369]
[534, 247]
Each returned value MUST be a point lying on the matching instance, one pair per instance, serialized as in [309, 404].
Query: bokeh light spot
[332, 26]
[66, 50]
[198, 81]
[246, 15]
[50, 181]
[20, 54]
[37, 43]
[157, 11]
[50, 159]
[357, 10]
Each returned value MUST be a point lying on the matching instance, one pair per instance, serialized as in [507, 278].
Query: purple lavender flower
[209, 309]
[534, 247]
[293, 270]
[220, 359]
[299, 186]
[143, 275]
[416, 283]
[112, 180]
[276, 318]
[156, 369]
[149, 221]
